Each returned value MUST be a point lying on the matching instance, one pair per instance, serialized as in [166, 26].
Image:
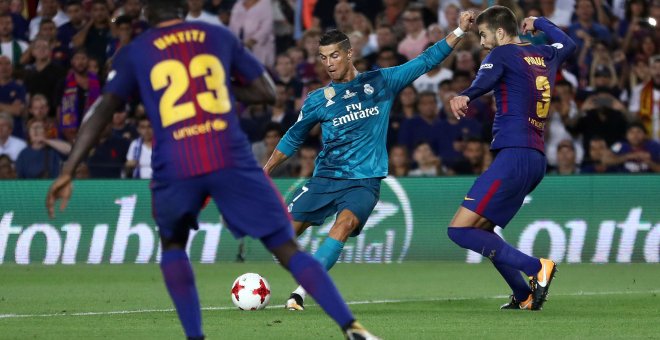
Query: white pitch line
[364, 302]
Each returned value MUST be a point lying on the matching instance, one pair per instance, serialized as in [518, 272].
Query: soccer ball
[250, 291]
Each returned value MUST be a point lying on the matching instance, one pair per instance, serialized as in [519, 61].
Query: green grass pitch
[423, 300]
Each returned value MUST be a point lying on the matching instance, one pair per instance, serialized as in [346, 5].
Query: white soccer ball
[250, 291]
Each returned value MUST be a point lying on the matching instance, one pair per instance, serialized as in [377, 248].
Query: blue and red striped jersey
[522, 77]
[183, 74]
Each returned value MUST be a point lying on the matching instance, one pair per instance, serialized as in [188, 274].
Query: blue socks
[490, 245]
[514, 279]
[180, 282]
[311, 275]
[328, 253]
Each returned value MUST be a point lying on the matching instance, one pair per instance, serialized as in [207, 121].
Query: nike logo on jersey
[468, 199]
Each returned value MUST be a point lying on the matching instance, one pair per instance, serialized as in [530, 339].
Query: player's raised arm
[488, 76]
[291, 141]
[401, 76]
[561, 41]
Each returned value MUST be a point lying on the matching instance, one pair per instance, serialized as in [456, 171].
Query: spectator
[133, 10]
[50, 9]
[566, 159]
[435, 33]
[428, 164]
[252, 22]
[602, 115]
[10, 46]
[637, 153]
[12, 95]
[558, 15]
[399, 164]
[38, 110]
[586, 27]
[386, 39]
[450, 133]
[422, 128]
[285, 73]
[6, 168]
[76, 94]
[9, 145]
[96, 36]
[272, 134]
[416, 38]
[343, 15]
[562, 104]
[138, 159]
[403, 109]
[121, 127]
[448, 17]
[472, 162]
[599, 153]
[282, 111]
[645, 99]
[363, 25]
[108, 158]
[43, 73]
[310, 43]
[306, 162]
[430, 12]
[387, 57]
[66, 32]
[196, 12]
[122, 37]
[60, 54]
[42, 157]
[20, 25]
[630, 27]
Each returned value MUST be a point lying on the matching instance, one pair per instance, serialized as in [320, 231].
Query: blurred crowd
[604, 115]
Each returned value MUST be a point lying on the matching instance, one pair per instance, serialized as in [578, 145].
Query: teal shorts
[322, 197]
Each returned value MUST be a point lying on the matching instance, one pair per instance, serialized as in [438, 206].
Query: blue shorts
[248, 201]
[499, 192]
[322, 197]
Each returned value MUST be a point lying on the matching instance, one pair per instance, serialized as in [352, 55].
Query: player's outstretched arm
[401, 76]
[277, 158]
[259, 91]
[560, 40]
[96, 119]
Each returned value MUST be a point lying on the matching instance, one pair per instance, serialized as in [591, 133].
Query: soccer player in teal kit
[353, 111]
[521, 76]
[182, 72]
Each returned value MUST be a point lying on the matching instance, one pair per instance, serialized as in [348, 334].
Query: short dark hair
[123, 20]
[73, 3]
[499, 17]
[273, 126]
[335, 37]
[163, 10]
[637, 124]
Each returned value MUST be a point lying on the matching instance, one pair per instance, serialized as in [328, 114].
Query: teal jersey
[354, 118]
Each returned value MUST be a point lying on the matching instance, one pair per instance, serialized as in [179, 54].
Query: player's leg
[175, 209]
[354, 200]
[327, 253]
[484, 229]
[315, 279]
[238, 193]
[495, 198]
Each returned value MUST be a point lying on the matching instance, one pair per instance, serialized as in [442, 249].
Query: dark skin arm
[99, 115]
[260, 91]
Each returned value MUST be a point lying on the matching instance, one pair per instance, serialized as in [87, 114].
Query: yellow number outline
[543, 106]
[173, 76]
